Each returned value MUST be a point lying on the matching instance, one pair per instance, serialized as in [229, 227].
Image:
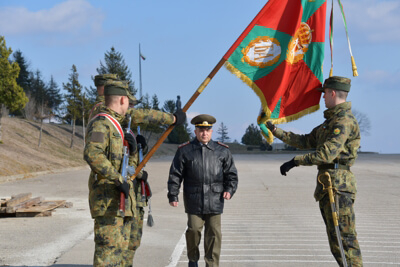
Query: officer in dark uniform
[209, 176]
[336, 142]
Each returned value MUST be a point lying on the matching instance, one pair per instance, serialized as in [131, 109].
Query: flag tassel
[354, 67]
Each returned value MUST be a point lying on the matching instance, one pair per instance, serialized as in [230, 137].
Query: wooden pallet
[23, 205]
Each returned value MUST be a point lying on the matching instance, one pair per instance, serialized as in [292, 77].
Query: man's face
[329, 98]
[203, 134]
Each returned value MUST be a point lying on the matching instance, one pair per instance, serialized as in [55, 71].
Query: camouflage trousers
[136, 233]
[111, 237]
[347, 227]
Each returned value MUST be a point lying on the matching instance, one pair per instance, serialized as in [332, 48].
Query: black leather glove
[287, 166]
[144, 176]
[180, 117]
[124, 188]
[143, 143]
[271, 126]
[131, 142]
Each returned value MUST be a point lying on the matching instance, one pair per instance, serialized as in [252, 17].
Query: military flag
[280, 56]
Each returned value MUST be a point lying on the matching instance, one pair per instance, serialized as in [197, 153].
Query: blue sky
[184, 40]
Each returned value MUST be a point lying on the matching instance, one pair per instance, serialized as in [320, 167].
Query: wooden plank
[3, 202]
[25, 204]
[41, 207]
[34, 214]
[15, 200]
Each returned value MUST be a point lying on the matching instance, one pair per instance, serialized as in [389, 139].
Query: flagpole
[197, 92]
[140, 73]
[185, 108]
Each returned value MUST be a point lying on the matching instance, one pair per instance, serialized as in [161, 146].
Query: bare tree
[363, 122]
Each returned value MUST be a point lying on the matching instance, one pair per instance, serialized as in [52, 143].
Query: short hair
[109, 99]
[341, 94]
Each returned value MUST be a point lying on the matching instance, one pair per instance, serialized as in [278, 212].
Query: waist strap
[333, 166]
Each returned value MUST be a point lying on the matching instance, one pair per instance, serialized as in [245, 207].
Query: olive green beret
[203, 121]
[102, 78]
[120, 88]
[337, 83]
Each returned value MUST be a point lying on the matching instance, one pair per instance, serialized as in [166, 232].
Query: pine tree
[252, 136]
[54, 96]
[73, 100]
[115, 63]
[12, 95]
[154, 102]
[223, 133]
[23, 79]
[180, 133]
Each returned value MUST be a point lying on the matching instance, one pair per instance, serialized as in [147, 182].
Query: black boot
[193, 264]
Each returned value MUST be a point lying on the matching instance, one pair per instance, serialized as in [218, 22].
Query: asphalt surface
[271, 221]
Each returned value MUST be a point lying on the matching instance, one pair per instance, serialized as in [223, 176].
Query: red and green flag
[280, 56]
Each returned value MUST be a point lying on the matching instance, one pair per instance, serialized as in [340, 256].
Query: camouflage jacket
[104, 153]
[335, 141]
[139, 117]
[96, 107]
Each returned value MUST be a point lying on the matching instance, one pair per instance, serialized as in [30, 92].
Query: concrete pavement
[271, 221]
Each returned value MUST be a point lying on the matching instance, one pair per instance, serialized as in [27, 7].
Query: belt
[333, 166]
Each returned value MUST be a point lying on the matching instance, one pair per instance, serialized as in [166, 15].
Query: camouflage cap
[121, 88]
[102, 78]
[203, 121]
[337, 83]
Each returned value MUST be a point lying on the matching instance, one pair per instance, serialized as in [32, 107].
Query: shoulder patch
[97, 137]
[222, 144]
[336, 131]
[184, 144]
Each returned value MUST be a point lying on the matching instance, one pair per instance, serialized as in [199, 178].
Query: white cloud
[69, 17]
[378, 20]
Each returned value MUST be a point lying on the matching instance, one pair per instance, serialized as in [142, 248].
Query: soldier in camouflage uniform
[104, 152]
[139, 117]
[99, 81]
[336, 142]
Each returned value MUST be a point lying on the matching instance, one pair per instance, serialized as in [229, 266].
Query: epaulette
[222, 144]
[184, 144]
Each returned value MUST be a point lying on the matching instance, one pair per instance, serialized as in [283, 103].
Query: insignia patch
[97, 137]
[262, 52]
[336, 131]
[298, 45]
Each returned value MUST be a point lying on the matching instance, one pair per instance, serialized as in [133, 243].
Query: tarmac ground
[272, 220]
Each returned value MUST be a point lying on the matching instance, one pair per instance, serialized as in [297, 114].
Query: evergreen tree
[12, 95]
[23, 79]
[54, 96]
[73, 100]
[252, 136]
[180, 133]
[154, 102]
[114, 62]
[145, 102]
[223, 133]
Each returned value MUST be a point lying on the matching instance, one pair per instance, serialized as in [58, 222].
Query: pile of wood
[23, 205]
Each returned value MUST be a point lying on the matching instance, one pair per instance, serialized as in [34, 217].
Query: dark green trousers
[347, 227]
[212, 238]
